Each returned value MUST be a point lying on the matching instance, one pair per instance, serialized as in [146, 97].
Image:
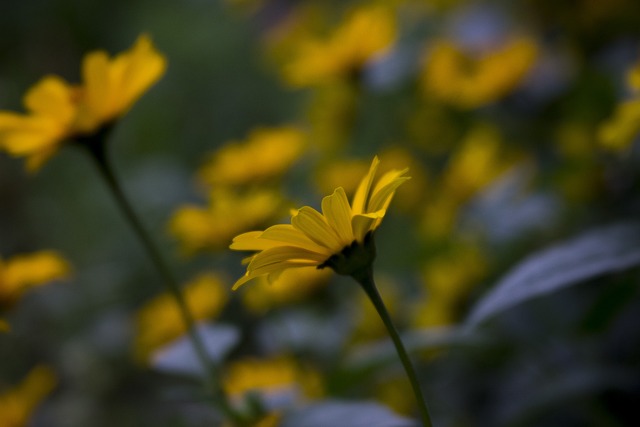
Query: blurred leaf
[602, 251]
[345, 414]
[179, 357]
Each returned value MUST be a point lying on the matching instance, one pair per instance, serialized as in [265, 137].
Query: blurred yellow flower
[18, 404]
[313, 238]
[269, 377]
[448, 279]
[618, 132]
[272, 152]
[159, 321]
[228, 213]
[291, 286]
[58, 111]
[369, 31]
[477, 163]
[460, 79]
[23, 272]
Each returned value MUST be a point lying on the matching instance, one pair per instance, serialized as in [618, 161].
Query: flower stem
[369, 286]
[97, 150]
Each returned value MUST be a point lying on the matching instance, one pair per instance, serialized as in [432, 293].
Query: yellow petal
[315, 227]
[287, 234]
[271, 269]
[134, 71]
[284, 254]
[363, 223]
[52, 97]
[250, 242]
[362, 193]
[26, 271]
[385, 189]
[337, 211]
[97, 87]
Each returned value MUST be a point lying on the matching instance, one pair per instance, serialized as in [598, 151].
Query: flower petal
[271, 269]
[362, 193]
[385, 189]
[284, 254]
[337, 211]
[52, 97]
[315, 227]
[250, 242]
[286, 233]
[363, 223]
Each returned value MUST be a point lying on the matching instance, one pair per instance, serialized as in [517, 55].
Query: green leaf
[345, 414]
[592, 254]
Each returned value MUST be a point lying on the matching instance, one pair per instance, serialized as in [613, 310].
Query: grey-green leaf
[592, 254]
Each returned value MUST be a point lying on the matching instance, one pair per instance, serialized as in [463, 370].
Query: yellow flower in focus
[272, 152]
[315, 239]
[368, 32]
[58, 111]
[159, 322]
[460, 79]
[18, 404]
[227, 214]
[21, 273]
[619, 131]
[291, 286]
[269, 377]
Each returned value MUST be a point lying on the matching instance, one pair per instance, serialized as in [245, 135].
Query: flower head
[21, 273]
[18, 404]
[339, 237]
[58, 111]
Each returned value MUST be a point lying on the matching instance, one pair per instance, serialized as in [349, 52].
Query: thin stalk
[97, 151]
[369, 286]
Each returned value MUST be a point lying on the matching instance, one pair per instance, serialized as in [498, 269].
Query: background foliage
[509, 260]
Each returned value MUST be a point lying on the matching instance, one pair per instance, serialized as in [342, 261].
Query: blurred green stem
[366, 281]
[97, 149]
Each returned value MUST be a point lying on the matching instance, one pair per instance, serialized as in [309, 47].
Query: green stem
[369, 286]
[97, 150]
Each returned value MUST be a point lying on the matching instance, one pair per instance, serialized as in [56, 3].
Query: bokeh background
[507, 114]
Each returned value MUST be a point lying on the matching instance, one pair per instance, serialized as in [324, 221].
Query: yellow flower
[58, 111]
[227, 214]
[367, 33]
[18, 404]
[335, 237]
[467, 82]
[21, 273]
[449, 280]
[272, 152]
[159, 321]
[618, 132]
[270, 376]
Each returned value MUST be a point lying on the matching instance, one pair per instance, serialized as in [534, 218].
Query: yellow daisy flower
[19, 403]
[339, 237]
[23, 272]
[58, 111]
